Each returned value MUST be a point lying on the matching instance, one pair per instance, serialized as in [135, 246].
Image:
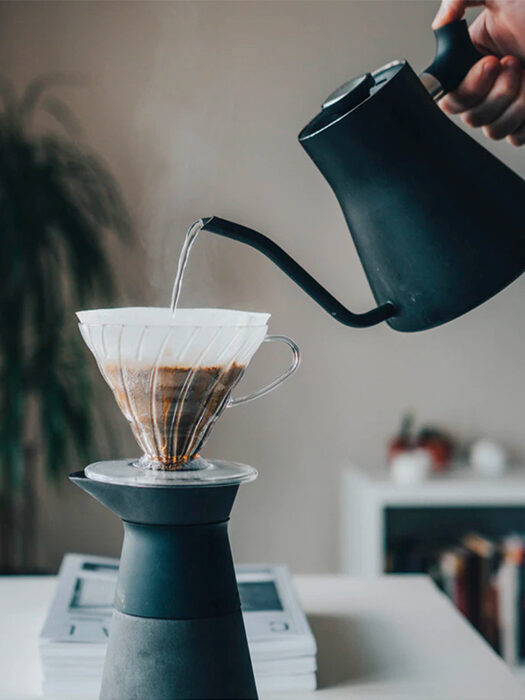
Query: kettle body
[438, 221]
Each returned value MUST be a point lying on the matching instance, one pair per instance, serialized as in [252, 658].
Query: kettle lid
[351, 95]
[355, 91]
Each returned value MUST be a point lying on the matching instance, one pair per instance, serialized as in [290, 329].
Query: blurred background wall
[196, 107]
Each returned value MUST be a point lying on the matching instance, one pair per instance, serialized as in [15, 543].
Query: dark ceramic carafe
[438, 222]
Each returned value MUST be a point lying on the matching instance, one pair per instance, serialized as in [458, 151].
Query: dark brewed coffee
[171, 409]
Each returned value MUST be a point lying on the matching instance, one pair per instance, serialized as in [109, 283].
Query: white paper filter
[193, 337]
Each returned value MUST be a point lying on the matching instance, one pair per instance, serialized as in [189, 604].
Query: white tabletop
[395, 637]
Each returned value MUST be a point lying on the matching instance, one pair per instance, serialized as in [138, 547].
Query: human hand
[492, 95]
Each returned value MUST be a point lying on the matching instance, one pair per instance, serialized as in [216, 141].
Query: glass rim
[261, 318]
[165, 325]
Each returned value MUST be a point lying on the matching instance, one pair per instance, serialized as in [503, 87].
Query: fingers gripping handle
[455, 56]
[296, 361]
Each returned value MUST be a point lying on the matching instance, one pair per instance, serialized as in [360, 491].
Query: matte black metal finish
[455, 55]
[186, 505]
[177, 631]
[298, 274]
[436, 219]
[189, 569]
[150, 659]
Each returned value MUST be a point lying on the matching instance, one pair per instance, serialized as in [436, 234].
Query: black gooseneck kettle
[438, 222]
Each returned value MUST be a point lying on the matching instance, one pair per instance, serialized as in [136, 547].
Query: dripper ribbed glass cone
[172, 374]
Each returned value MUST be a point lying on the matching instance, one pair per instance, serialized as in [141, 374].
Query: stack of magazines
[485, 579]
[73, 640]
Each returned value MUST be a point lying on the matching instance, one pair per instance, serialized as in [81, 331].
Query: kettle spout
[298, 274]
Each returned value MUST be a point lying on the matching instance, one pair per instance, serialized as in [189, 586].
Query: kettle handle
[298, 274]
[455, 56]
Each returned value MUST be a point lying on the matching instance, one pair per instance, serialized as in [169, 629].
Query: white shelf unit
[372, 503]
[375, 511]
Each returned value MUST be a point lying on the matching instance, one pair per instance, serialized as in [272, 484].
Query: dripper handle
[455, 56]
[296, 361]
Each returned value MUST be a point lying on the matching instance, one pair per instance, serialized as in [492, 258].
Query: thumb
[482, 39]
[452, 10]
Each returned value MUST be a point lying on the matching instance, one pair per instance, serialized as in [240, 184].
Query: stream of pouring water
[189, 240]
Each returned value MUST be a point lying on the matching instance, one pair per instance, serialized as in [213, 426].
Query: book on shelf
[485, 579]
[484, 561]
[452, 572]
[509, 581]
[73, 640]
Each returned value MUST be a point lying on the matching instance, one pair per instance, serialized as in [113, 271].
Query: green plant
[58, 203]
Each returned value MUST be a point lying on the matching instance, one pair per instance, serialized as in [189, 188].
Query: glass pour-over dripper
[172, 374]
